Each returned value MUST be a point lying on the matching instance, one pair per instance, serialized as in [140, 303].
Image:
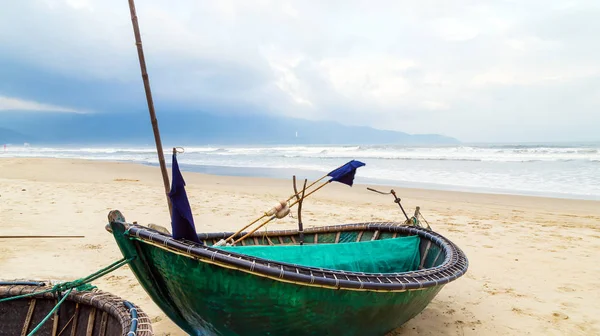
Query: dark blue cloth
[345, 174]
[182, 221]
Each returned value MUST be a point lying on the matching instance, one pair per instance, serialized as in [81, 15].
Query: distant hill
[197, 128]
[8, 136]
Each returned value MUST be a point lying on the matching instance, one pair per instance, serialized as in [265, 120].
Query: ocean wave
[418, 153]
[542, 168]
[380, 152]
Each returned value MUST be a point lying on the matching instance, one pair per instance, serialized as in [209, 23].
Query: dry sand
[534, 262]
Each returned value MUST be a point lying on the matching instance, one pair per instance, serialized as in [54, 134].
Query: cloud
[14, 104]
[459, 68]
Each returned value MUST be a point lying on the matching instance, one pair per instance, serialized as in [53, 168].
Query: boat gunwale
[454, 265]
[99, 299]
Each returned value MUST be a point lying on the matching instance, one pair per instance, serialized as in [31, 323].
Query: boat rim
[132, 319]
[454, 265]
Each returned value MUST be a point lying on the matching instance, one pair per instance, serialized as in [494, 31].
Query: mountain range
[192, 129]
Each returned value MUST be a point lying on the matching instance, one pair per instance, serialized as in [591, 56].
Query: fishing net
[377, 256]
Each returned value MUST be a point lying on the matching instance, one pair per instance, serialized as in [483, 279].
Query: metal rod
[161, 157]
[377, 191]
[397, 200]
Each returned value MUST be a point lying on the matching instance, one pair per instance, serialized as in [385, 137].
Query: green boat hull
[203, 298]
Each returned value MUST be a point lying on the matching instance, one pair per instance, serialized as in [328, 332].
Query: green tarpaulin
[378, 256]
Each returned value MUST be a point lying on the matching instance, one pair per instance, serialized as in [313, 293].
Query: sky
[480, 71]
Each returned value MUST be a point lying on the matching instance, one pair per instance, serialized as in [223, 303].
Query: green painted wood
[152, 283]
[205, 299]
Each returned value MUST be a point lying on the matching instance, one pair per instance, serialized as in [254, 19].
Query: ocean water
[555, 170]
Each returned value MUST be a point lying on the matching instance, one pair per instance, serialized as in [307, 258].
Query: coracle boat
[86, 313]
[353, 279]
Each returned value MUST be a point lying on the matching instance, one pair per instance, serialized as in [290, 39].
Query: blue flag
[345, 174]
[182, 221]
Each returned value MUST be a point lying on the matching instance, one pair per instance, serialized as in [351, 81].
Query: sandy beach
[534, 266]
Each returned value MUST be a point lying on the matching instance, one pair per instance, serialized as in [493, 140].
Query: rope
[79, 284]
[25, 295]
[421, 215]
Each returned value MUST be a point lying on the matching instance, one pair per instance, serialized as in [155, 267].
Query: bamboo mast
[161, 157]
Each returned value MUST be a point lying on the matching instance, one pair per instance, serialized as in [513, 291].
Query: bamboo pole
[154, 121]
[230, 238]
[296, 194]
[273, 217]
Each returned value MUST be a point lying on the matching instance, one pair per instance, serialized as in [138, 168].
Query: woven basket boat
[269, 285]
[86, 313]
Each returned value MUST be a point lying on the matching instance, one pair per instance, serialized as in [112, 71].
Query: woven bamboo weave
[90, 313]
